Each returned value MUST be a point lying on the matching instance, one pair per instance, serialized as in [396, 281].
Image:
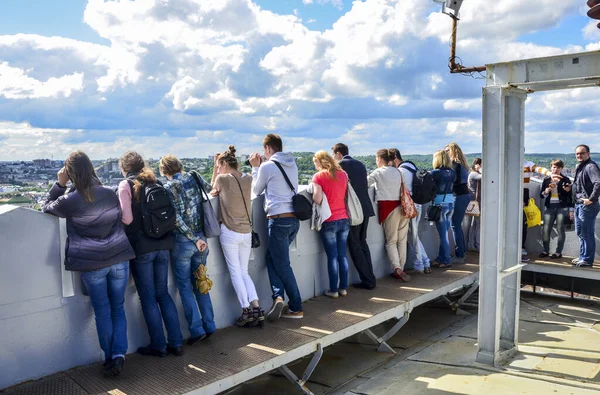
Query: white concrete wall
[43, 332]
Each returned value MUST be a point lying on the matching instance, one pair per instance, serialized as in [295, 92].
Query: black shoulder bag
[302, 206]
[255, 237]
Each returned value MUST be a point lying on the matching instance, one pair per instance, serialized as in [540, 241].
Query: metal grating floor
[227, 354]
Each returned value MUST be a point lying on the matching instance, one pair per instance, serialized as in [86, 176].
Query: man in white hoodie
[282, 224]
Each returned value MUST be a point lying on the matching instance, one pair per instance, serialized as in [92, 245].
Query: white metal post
[502, 210]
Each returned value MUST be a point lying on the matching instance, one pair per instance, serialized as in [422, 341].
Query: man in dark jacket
[357, 238]
[586, 189]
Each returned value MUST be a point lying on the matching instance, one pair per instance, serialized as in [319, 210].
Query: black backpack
[302, 206]
[158, 212]
[423, 185]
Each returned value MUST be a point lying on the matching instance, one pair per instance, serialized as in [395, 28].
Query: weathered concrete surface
[559, 353]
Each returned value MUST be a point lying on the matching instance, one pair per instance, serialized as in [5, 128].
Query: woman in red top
[332, 181]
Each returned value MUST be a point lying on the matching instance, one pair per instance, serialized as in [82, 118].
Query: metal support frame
[503, 147]
[382, 341]
[301, 383]
[455, 306]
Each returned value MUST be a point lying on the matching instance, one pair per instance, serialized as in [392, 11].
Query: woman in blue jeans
[98, 248]
[558, 201]
[444, 178]
[332, 181]
[189, 254]
[150, 268]
[461, 201]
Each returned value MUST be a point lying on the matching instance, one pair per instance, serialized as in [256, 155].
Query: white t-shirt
[408, 175]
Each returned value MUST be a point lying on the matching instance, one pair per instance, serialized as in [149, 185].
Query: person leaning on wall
[98, 248]
[282, 224]
[357, 238]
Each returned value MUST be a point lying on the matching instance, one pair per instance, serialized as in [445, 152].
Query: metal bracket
[382, 341]
[462, 301]
[300, 383]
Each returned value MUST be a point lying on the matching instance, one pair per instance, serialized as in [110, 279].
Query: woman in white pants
[233, 189]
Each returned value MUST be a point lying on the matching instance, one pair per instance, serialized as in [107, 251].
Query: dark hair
[273, 141]
[229, 158]
[82, 174]
[587, 148]
[395, 154]
[133, 163]
[557, 163]
[341, 148]
[476, 161]
[384, 154]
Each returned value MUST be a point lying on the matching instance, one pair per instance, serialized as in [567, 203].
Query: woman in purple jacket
[98, 248]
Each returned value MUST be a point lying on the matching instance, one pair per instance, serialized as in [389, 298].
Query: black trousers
[525, 202]
[360, 253]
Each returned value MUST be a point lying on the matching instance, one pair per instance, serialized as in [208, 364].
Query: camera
[262, 159]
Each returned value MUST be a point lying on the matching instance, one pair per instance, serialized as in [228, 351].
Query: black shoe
[194, 340]
[153, 352]
[177, 351]
[246, 318]
[543, 255]
[427, 270]
[363, 286]
[113, 369]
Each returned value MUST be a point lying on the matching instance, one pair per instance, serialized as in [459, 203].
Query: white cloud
[229, 66]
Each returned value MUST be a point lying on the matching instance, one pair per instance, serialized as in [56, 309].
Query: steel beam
[301, 383]
[382, 341]
[502, 213]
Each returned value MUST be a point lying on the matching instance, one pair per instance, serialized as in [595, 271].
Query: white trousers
[236, 249]
[421, 260]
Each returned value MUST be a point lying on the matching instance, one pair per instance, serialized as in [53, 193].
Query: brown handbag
[407, 205]
[473, 208]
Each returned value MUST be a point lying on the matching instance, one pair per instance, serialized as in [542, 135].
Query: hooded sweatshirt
[268, 179]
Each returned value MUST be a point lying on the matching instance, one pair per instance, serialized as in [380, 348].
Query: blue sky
[190, 77]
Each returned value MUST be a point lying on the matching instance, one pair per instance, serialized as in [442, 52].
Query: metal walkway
[234, 355]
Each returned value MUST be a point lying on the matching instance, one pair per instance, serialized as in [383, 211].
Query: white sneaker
[343, 292]
[331, 294]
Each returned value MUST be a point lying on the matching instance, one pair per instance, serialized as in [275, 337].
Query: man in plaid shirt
[190, 250]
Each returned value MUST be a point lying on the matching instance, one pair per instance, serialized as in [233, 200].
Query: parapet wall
[47, 324]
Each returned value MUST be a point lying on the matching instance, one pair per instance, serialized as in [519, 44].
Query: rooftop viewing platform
[48, 326]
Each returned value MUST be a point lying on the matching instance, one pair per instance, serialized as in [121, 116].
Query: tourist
[421, 263]
[282, 224]
[150, 267]
[444, 178]
[461, 200]
[98, 248]
[189, 255]
[474, 221]
[387, 181]
[587, 190]
[357, 238]
[332, 181]
[558, 202]
[233, 189]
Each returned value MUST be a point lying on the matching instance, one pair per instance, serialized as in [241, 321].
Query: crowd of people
[111, 234]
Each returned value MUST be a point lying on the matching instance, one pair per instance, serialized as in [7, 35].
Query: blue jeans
[443, 225]
[460, 208]
[281, 233]
[106, 288]
[558, 214]
[585, 220]
[334, 235]
[150, 272]
[186, 259]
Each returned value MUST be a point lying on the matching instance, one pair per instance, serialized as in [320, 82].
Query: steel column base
[301, 383]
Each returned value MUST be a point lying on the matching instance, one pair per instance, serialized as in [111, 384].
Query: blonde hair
[326, 162]
[169, 165]
[441, 160]
[456, 155]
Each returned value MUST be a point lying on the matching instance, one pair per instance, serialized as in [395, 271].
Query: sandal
[543, 255]
[556, 255]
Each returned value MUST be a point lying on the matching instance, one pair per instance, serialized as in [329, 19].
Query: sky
[191, 77]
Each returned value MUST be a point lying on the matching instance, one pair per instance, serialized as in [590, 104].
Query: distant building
[42, 163]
